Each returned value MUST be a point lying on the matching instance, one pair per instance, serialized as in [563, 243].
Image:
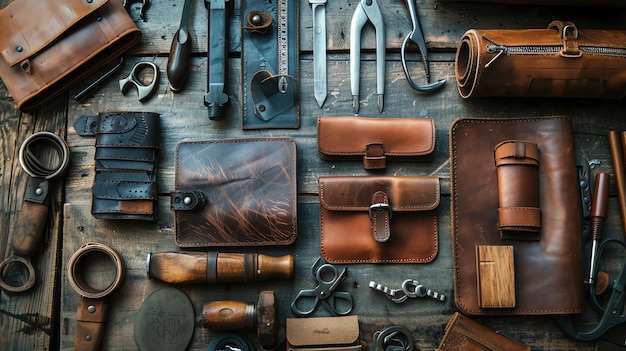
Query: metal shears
[416, 36]
[367, 10]
[328, 279]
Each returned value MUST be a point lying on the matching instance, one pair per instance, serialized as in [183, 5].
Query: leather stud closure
[374, 157]
[380, 213]
[187, 200]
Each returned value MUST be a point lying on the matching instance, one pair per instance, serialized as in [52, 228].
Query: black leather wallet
[127, 143]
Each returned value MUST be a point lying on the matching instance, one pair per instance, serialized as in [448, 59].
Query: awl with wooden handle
[178, 64]
[217, 267]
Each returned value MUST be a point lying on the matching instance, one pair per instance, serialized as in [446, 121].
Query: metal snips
[367, 10]
[416, 36]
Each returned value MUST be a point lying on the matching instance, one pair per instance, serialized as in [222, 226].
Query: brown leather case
[560, 61]
[47, 46]
[554, 263]
[462, 333]
[235, 192]
[323, 333]
[386, 219]
[374, 140]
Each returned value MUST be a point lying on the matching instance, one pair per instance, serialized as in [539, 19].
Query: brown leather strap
[380, 213]
[517, 149]
[527, 217]
[90, 318]
[374, 157]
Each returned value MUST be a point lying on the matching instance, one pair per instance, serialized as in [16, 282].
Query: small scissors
[324, 292]
[416, 36]
[144, 91]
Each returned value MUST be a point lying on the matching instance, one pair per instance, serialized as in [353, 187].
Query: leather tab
[380, 213]
[90, 318]
[187, 200]
[570, 41]
[124, 190]
[374, 157]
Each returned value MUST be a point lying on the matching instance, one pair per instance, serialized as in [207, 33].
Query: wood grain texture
[45, 318]
[496, 276]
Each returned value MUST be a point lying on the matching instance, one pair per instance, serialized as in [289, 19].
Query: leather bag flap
[322, 331]
[24, 34]
[354, 193]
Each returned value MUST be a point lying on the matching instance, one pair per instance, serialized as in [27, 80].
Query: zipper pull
[501, 49]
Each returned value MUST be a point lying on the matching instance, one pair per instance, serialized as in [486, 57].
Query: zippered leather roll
[559, 61]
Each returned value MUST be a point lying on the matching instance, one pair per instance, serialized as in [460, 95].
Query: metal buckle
[379, 208]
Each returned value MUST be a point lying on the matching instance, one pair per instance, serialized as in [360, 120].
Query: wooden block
[496, 276]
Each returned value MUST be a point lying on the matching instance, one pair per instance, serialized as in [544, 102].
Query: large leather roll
[559, 61]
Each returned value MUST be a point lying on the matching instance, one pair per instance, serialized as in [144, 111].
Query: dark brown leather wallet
[374, 140]
[554, 261]
[235, 192]
[385, 219]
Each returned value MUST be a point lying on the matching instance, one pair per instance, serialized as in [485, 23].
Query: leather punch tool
[367, 10]
[328, 278]
[144, 90]
[416, 36]
[44, 156]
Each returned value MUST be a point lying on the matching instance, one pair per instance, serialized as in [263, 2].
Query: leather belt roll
[560, 61]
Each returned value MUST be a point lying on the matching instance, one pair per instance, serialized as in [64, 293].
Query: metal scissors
[416, 36]
[328, 279]
[144, 91]
[367, 10]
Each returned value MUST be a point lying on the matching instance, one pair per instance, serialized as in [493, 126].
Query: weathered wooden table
[44, 318]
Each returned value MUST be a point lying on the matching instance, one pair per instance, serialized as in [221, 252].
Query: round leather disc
[165, 321]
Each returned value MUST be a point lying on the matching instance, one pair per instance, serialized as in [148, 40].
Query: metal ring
[31, 274]
[30, 155]
[75, 276]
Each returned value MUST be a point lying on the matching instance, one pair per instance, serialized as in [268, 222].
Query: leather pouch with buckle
[235, 192]
[554, 260]
[323, 333]
[127, 143]
[463, 333]
[560, 61]
[386, 219]
[47, 46]
[517, 164]
[374, 140]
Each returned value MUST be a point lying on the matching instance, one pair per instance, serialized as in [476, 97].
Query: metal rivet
[187, 200]
[91, 309]
[88, 338]
[39, 191]
[89, 1]
[99, 18]
[19, 49]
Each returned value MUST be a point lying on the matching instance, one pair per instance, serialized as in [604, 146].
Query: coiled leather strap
[229, 342]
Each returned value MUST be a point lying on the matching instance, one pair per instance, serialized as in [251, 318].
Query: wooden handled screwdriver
[597, 216]
[180, 53]
[217, 267]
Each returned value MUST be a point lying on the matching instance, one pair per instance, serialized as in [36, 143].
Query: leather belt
[93, 306]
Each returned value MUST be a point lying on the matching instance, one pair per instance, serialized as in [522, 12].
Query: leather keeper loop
[380, 214]
[521, 218]
[374, 157]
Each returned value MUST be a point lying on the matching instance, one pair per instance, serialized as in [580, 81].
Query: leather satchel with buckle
[385, 219]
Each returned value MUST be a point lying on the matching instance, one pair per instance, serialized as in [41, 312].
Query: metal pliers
[367, 10]
[416, 36]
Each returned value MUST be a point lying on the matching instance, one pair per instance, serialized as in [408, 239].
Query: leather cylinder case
[560, 61]
[127, 144]
[47, 46]
[517, 165]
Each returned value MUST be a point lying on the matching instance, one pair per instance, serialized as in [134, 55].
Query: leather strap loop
[374, 157]
[380, 213]
[517, 149]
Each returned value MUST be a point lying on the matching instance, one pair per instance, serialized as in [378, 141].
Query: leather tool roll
[47, 46]
[235, 192]
[374, 140]
[386, 219]
[548, 272]
[463, 333]
[517, 164]
[560, 61]
[127, 144]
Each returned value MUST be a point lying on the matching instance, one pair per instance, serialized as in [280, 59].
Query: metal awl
[319, 50]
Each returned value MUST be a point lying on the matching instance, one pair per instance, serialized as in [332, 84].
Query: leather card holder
[375, 140]
[235, 192]
[379, 219]
[323, 333]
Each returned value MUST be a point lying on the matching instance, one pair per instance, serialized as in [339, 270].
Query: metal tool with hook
[411, 288]
[143, 90]
[367, 10]
[416, 36]
[328, 279]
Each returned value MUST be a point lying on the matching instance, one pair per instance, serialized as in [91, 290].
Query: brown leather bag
[560, 61]
[374, 140]
[552, 264]
[386, 219]
[47, 45]
[462, 333]
[235, 192]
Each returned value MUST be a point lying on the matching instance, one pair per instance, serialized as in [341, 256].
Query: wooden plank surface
[45, 317]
